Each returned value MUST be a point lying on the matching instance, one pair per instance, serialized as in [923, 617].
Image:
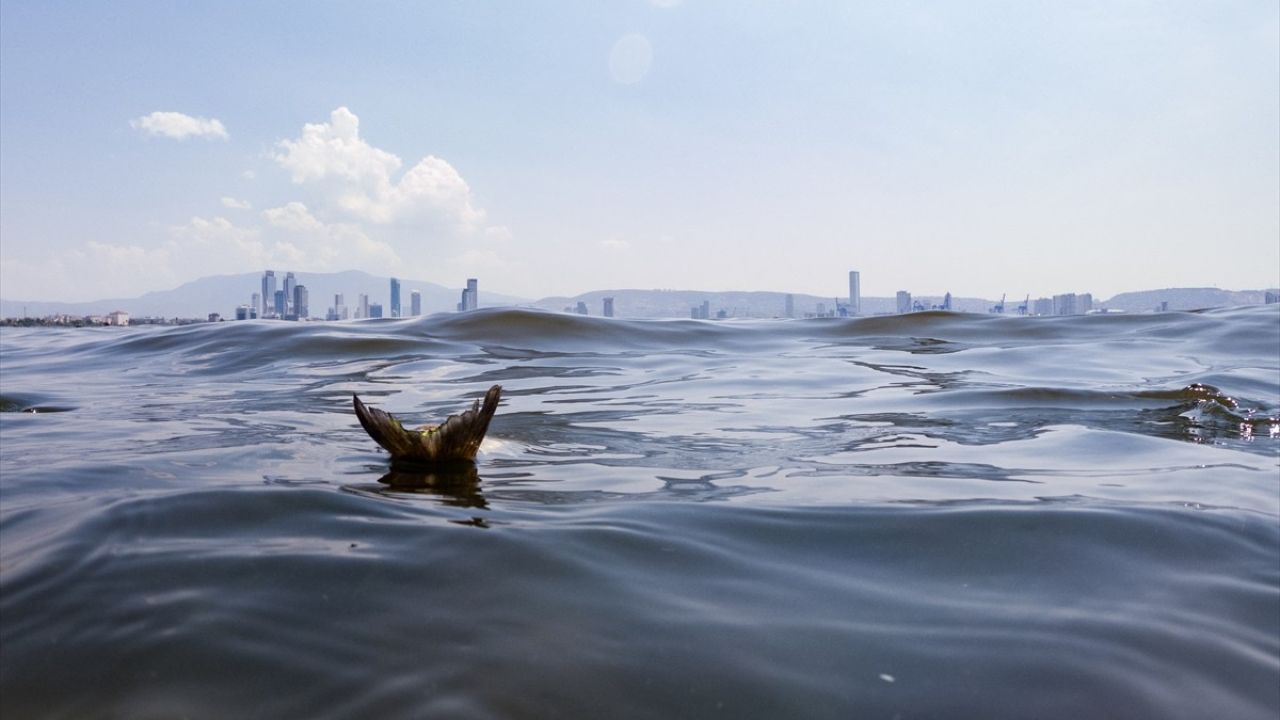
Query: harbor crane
[1025, 306]
[999, 307]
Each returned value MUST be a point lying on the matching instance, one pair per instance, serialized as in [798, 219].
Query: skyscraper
[855, 293]
[415, 303]
[268, 292]
[290, 282]
[301, 309]
[282, 304]
[395, 297]
[363, 311]
[375, 310]
[469, 299]
[608, 307]
[256, 303]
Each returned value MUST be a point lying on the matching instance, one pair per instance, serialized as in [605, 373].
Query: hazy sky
[553, 148]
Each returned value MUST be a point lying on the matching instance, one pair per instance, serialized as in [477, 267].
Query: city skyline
[975, 147]
[650, 301]
[641, 304]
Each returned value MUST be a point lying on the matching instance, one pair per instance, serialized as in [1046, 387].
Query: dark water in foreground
[923, 516]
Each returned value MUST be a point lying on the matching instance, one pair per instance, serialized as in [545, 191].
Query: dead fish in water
[456, 440]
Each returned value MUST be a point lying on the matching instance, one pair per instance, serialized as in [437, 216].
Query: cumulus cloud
[293, 216]
[362, 176]
[330, 246]
[179, 126]
[358, 206]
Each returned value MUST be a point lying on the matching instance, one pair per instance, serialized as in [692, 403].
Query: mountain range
[223, 293]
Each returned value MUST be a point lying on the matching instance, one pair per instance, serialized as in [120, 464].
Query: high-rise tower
[268, 292]
[301, 307]
[395, 297]
[855, 293]
[290, 282]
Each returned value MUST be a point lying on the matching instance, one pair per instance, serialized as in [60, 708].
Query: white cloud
[361, 177]
[179, 126]
[358, 209]
[615, 244]
[330, 246]
[293, 216]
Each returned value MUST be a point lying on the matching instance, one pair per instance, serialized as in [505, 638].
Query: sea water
[929, 515]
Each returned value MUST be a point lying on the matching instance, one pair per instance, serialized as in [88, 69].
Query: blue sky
[976, 147]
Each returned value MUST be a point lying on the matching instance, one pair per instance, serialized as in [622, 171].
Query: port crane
[999, 307]
[1025, 306]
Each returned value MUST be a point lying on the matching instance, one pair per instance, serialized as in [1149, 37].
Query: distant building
[904, 302]
[268, 292]
[215, 317]
[117, 317]
[790, 309]
[363, 307]
[946, 302]
[581, 309]
[289, 283]
[855, 293]
[1084, 303]
[1271, 298]
[701, 312]
[282, 305]
[375, 310]
[1042, 306]
[608, 307]
[256, 303]
[470, 296]
[415, 303]
[1065, 304]
[301, 307]
[395, 297]
[242, 312]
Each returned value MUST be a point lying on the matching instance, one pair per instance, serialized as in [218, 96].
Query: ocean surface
[925, 516]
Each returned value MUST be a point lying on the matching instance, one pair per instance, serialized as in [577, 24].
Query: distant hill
[678, 303]
[223, 293]
[1184, 299]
